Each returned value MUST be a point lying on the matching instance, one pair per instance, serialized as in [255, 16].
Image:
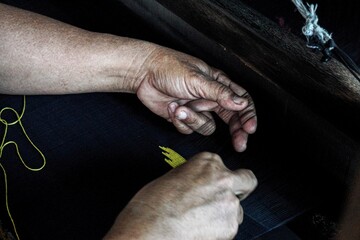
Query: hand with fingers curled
[198, 200]
[184, 90]
[178, 87]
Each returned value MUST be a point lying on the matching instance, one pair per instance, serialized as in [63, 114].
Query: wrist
[124, 62]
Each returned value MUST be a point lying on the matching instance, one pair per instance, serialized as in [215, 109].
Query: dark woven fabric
[101, 149]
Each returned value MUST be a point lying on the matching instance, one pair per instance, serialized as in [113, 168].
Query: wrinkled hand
[194, 201]
[184, 90]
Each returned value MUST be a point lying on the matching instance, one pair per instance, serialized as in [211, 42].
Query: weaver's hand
[183, 90]
[194, 201]
[176, 86]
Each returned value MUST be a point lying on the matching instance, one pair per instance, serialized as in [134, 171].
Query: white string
[311, 28]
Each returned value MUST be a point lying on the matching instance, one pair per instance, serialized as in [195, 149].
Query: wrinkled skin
[198, 200]
[44, 56]
[184, 90]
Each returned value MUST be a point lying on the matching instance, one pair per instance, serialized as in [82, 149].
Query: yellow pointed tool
[172, 158]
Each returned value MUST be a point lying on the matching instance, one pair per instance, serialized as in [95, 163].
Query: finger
[244, 183]
[237, 132]
[250, 125]
[200, 122]
[221, 77]
[248, 117]
[239, 140]
[179, 125]
[202, 105]
[240, 132]
[215, 91]
[242, 124]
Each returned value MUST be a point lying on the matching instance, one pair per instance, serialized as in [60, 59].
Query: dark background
[102, 148]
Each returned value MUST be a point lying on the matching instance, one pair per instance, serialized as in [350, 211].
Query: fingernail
[242, 148]
[181, 115]
[239, 100]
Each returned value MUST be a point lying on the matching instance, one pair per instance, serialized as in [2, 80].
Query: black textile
[102, 148]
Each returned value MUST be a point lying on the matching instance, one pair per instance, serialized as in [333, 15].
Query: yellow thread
[172, 158]
[4, 144]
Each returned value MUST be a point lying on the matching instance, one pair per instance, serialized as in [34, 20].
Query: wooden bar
[267, 48]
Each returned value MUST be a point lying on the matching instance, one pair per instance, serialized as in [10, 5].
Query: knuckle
[202, 158]
[209, 156]
[225, 180]
[215, 156]
[210, 164]
[204, 155]
[197, 74]
[221, 77]
[249, 178]
[223, 92]
[252, 178]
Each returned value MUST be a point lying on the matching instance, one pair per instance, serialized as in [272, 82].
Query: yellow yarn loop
[5, 143]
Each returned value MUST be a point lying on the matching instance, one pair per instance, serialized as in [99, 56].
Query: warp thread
[5, 143]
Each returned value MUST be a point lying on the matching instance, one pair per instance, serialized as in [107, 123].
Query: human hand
[197, 200]
[184, 90]
[178, 87]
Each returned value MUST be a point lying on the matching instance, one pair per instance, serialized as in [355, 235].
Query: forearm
[40, 55]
